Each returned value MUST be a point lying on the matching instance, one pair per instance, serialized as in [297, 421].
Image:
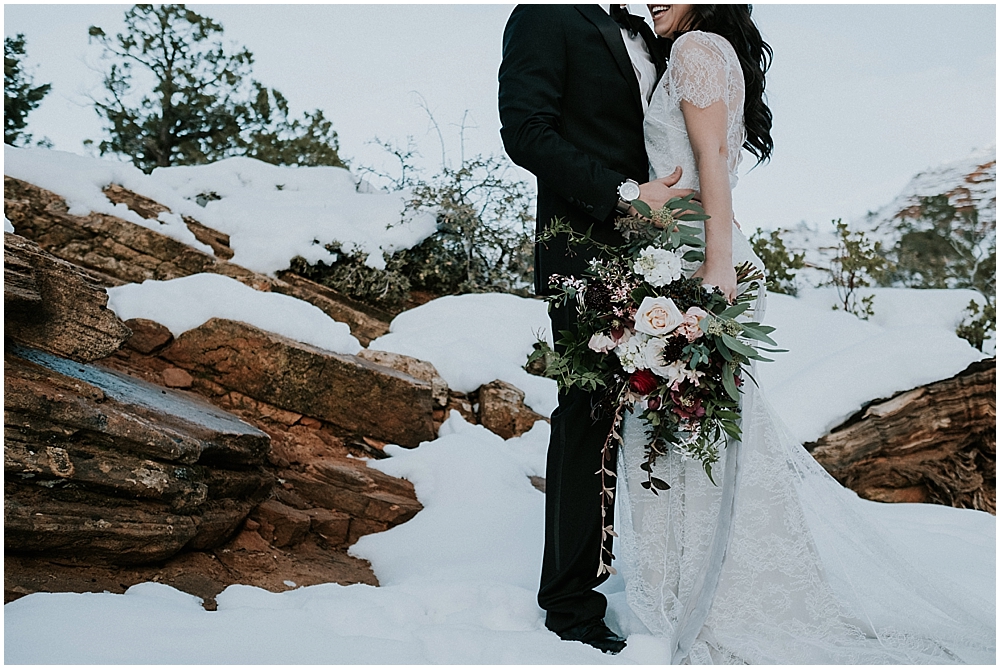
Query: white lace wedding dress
[778, 564]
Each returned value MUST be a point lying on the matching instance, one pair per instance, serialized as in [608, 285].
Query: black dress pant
[573, 504]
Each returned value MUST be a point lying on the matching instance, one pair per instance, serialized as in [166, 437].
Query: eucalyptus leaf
[730, 384]
[691, 230]
[643, 208]
[735, 310]
[723, 351]
[736, 345]
[758, 334]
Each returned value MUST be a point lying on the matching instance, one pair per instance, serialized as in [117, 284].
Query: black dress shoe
[595, 633]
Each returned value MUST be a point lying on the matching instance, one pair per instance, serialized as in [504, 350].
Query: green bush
[780, 264]
[857, 262]
[483, 242]
[979, 322]
[942, 246]
[349, 275]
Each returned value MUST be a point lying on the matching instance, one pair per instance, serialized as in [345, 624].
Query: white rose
[601, 343]
[658, 266]
[657, 316]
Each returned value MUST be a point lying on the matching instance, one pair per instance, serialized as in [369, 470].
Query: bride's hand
[723, 276]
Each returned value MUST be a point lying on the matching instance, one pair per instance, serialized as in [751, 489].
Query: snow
[836, 362]
[188, 302]
[80, 180]
[7, 225]
[476, 339]
[273, 214]
[458, 583]
[270, 213]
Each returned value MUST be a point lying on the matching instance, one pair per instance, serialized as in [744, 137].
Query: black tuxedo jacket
[571, 114]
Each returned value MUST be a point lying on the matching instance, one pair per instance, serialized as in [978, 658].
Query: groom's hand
[657, 193]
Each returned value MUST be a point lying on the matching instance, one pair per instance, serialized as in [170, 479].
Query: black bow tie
[630, 22]
[636, 25]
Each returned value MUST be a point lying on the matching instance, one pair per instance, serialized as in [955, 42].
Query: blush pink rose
[690, 327]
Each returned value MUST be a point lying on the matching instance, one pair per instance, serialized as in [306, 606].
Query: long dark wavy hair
[733, 22]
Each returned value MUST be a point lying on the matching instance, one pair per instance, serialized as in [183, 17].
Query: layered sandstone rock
[936, 443]
[111, 480]
[50, 305]
[350, 392]
[103, 466]
[372, 500]
[418, 369]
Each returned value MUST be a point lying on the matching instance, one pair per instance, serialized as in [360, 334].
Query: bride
[777, 563]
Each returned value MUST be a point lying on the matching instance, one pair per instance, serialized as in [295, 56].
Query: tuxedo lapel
[613, 36]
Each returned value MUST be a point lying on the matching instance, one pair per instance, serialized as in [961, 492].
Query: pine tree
[202, 103]
[20, 95]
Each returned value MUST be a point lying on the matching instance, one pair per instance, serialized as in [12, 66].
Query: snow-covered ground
[458, 581]
[836, 363]
[475, 339]
[270, 213]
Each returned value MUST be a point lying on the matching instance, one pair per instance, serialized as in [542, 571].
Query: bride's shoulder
[698, 41]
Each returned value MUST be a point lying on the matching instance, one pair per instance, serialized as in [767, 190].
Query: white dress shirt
[642, 62]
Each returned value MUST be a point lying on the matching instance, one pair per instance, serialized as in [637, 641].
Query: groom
[574, 84]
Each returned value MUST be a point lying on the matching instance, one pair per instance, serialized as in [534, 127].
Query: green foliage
[348, 275]
[434, 265]
[176, 95]
[277, 139]
[472, 251]
[857, 262]
[483, 241]
[484, 232]
[943, 246]
[978, 323]
[20, 95]
[779, 263]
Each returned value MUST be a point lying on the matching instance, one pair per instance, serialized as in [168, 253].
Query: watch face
[628, 190]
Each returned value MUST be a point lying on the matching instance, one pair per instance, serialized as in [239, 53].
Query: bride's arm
[707, 131]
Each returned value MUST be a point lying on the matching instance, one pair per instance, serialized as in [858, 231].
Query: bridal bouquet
[655, 341]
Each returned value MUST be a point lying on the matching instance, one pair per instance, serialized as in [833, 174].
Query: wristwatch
[627, 191]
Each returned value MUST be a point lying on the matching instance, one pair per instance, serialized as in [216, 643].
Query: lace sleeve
[698, 70]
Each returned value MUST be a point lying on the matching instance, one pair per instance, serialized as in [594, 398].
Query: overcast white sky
[864, 96]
